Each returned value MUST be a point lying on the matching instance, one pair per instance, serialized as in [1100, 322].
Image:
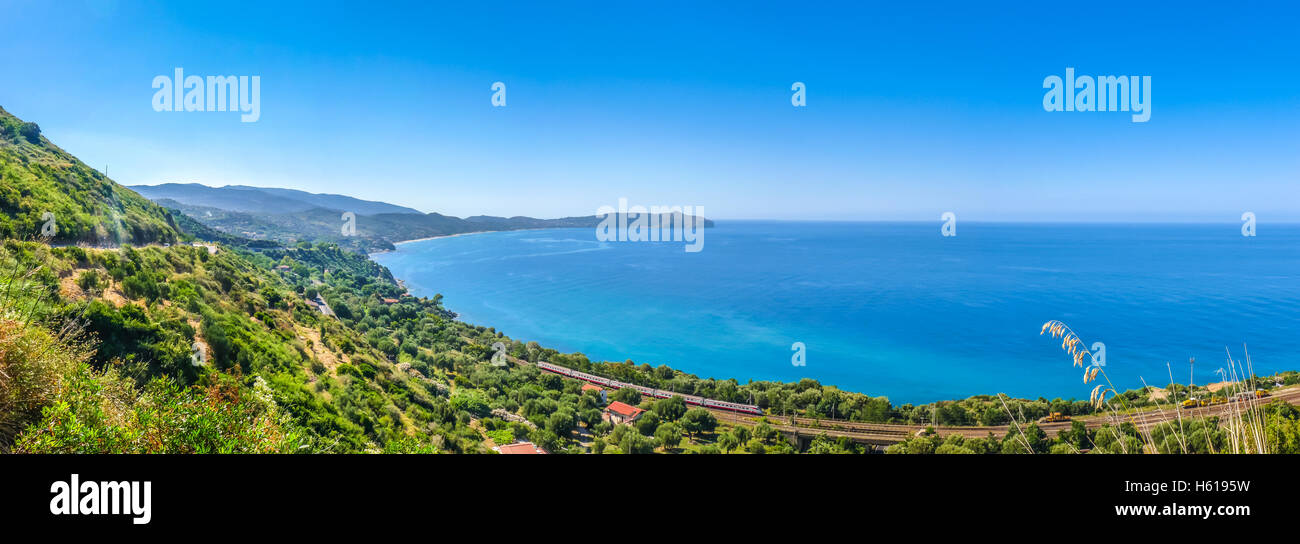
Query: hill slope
[40, 182]
[333, 202]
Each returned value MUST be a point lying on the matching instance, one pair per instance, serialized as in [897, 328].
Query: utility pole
[1191, 375]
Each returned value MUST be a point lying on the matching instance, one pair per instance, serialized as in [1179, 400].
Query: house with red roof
[619, 412]
[520, 448]
[598, 389]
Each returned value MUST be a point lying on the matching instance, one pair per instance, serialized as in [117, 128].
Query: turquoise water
[889, 309]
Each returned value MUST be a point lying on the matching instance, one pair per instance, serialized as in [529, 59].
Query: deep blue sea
[892, 309]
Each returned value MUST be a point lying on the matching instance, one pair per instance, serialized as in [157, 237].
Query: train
[650, 391]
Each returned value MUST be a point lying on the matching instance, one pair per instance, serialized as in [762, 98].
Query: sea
[889, 309]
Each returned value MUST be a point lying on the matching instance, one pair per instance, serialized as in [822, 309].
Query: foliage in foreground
[104, 413]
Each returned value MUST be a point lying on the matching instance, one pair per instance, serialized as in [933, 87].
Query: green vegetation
[100, 413]
[37, 178]
[248, 346]
[1202, 435]
[58, 396]
[157, 303]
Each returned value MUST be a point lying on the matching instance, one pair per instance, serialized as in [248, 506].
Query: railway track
[890, 433]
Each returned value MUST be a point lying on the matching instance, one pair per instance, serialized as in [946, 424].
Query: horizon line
[1295, 220]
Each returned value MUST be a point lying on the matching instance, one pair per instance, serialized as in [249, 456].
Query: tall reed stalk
[1242, 419]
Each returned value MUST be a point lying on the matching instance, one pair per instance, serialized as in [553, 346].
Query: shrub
[89, 280]
[31, 131]
[32, 363]
[101, 413]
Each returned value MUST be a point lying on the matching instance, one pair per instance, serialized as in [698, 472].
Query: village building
[619, 413]
[521, 448]
[598, 389]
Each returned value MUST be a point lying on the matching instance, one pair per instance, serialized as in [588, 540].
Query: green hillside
[36, 178]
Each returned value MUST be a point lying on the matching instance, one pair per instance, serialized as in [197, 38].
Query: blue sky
[911, 112]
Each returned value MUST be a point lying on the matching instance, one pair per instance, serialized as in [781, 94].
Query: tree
[1032, 440]
[636, 443]
[670, 409]
[993, 415]
[948, 449]
[562, 422]
[616, 435]
[698, 420]
[546, 439]
[590, 418]
[1282, 427]
[728, 442]
[742, 433]
[627, 395]
[822, 445]
[340, 308]
[1078, 435]
[921, 445]
[647, 424]
[387, 346]
[669, 435]
[950, 413]
[766, 433]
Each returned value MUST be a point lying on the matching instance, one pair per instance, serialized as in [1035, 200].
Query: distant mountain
[333, 202]
[290, 216]
[44, 188]
[373, 232]
[287, 217]
[242, 198]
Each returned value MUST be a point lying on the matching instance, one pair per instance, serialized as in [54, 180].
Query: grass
[1243, 430]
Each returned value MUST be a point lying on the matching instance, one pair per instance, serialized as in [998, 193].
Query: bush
[32, 363]
[948, 449]
[31, 131]
[636, 443]
[89, 280]
[470, 402]
[627, 395]
[101, 413]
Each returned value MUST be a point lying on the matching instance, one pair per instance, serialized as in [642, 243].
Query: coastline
[427, 238]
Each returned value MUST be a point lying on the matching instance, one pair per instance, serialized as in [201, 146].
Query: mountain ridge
[249, 199]
[288, 221]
